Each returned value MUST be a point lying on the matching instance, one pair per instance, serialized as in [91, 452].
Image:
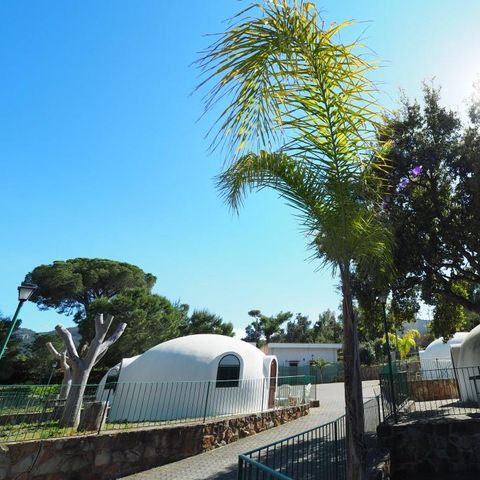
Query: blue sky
[101, 153]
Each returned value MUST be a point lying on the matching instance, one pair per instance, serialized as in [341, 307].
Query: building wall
[303, 355]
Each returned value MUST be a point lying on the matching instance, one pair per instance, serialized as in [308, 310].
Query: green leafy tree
[265, 329]
[41, 364]
[299, 330]
[203, 321]
[433, 206]
[71, 286]
[327, 329]
[254, 332]
[404, 343]
[151, 319]
[367, 353]
[320, 364]
[300, 120]
[14, 364]
[448, 317]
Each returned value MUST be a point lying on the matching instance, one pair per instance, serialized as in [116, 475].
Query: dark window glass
[293, 363]
[228, 373]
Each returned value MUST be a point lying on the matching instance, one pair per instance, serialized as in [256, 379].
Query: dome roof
[194, 357]
[203, 347]
[469, 355]
[439, 349]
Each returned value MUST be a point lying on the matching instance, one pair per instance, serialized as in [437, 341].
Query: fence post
[335, 433]
[104, 410]
[263, 392]
[240, 468]
[378, 409]
[206, 402]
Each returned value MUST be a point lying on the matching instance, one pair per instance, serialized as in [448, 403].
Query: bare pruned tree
[64, 367]
[81, 365]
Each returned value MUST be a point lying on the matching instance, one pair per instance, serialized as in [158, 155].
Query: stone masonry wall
[446, 447]
[109, 455]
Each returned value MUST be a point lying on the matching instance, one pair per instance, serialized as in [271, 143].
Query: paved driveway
[221, 463]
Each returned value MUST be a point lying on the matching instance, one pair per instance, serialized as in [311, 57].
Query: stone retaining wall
[443, 448]
[114, 454]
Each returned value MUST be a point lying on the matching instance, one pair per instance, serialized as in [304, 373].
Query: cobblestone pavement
[221, 463]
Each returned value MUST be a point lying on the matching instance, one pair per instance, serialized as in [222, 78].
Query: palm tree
[300, 119]
[320, 364]
[405, 343]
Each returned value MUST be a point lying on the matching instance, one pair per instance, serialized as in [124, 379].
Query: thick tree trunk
[355, 426]
[73, 405]
[66, 384]
[81, 367]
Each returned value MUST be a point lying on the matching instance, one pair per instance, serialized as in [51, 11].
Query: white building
[436, 359]
[303, 354]
[191, 377]
[466, 359]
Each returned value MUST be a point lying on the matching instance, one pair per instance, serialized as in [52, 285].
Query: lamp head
[25, 291]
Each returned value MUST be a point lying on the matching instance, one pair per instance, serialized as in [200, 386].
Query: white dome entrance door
[273, 384]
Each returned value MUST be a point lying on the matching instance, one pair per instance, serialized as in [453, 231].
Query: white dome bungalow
[436, 359]
[466, 358]
[191, 377]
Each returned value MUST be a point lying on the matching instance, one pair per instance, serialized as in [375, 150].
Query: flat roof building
[303, 354]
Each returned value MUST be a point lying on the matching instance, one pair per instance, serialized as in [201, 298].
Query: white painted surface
[436, 359]
[177, 379]
[304, 353]
[467, 365]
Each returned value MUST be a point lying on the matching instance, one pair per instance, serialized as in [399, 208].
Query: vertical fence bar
[206, 402]
[104, 413]
[335, 433]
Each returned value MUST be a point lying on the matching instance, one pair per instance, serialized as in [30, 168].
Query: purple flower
[385, 202]
[416, 170]
[404, 181]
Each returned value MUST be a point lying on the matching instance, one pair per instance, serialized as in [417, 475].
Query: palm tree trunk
[355, 427]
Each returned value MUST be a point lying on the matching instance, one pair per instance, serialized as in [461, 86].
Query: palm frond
[300, 118]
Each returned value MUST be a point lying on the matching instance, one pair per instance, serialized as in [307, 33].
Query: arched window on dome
[228, 373]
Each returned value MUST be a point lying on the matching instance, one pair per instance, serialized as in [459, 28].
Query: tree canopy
[13, 365]
[265, 329]
[151, 319]
[299, 118]
[86, 287]
[433, 208]
[71, 286]
[203, 321]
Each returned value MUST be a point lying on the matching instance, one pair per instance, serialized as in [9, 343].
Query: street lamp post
[25, 291]
[383, 301]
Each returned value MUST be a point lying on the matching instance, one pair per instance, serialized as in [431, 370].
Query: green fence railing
[318, 453]
[438, 391]
[332, 372]
[35, 412]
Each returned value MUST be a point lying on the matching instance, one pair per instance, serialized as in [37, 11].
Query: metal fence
[440, 391]
[318, 453]
[334, 372]
[34, 412]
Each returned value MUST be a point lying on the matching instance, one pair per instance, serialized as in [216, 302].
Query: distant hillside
[27, 336]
